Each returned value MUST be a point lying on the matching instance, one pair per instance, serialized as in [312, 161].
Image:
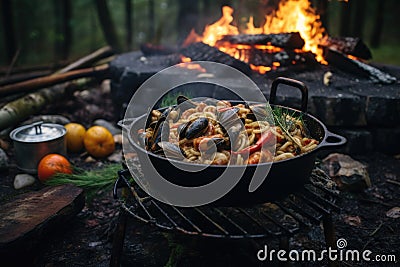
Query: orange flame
[214, 32]
[291, 16]
[191, 66]
[298, 16]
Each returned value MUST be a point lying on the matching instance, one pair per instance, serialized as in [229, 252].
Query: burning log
[357, 67]
[291, 40]
[203, 52]
[282, 58]
[348, 45]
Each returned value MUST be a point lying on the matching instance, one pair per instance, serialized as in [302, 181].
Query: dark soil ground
[87, 239]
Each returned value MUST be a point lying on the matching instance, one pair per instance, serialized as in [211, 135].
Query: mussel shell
[185, 103]
[170, 150]
[181, 130]
[166, 112]
[161, 132]
[197, 128]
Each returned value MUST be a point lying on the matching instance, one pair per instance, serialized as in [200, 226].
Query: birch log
[22, 108]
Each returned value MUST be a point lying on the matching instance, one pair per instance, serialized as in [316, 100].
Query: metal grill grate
[285, 217]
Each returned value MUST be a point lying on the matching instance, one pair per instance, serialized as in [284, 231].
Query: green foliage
[387, 54]
[170, 98]
[92, 181]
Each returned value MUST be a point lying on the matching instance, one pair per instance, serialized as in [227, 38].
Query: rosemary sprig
[280, 116]
[92, 181]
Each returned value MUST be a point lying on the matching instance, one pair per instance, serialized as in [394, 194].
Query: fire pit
[356, 99]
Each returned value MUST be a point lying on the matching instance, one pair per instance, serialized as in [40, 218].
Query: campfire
[292, 36]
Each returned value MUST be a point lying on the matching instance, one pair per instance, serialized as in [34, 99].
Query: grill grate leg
[330, 235]
[118, 240]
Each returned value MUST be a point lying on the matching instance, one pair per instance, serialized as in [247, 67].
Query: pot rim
[60, 127]
[323, 142]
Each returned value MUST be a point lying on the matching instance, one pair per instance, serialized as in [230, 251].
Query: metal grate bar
[292, 214]
[139, 200]
[259, 223]
[314, 205]
[326, 190]
[280, 225]
[187, 220]
[303, 212]
[326, 202]
[220, 228]
[165, 214]
[230, 221]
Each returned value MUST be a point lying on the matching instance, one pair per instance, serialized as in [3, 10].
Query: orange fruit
[75, 134]
[99, 142]
[52, 164]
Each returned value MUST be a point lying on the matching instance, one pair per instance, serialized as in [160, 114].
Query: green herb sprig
[281, 118]
[92, 181]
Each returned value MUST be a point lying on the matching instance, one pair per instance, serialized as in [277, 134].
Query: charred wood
[282, 58]
[149, 49]
[348, 45]
[357, 67]
[291, 40]
[203, 52]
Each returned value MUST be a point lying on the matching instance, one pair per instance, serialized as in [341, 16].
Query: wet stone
[23, 180]
[110, 126]
[349, 174]
[359, 141]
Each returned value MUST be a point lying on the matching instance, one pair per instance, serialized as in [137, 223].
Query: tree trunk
[63, 36]
[187, 17]
[345, 18]
[151, 21]
[8, 27]
[378, 24]
[359, 18]
[107, 24]
[128, 23]
[322, 8]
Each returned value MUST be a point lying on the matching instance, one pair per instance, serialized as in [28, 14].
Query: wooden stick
[393, 182]
[41, 82]
[95, 56]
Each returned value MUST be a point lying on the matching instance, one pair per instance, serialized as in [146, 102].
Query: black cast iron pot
[284, 177]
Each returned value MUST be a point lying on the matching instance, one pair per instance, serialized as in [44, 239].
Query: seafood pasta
[217, 132]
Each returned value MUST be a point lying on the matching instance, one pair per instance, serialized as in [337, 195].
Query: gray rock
[359, 140]
[23, 180]
[3, 160]
[349, 174]
[57, 119]
[93, 109]
[114, 130]
[115, 157]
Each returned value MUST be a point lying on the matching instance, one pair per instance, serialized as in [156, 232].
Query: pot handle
[333, 140]
[291, 82]
[121, 182]
[126, 123]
